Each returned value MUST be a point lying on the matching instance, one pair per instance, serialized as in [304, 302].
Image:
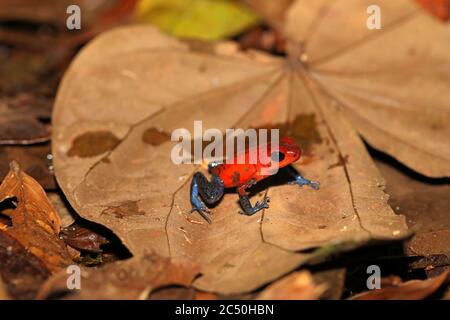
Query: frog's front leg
[301, 181]
[203, 190]
[245, 201]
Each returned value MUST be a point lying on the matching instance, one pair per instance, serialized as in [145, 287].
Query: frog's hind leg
[203, 190]
[246, 204]
[301, 181]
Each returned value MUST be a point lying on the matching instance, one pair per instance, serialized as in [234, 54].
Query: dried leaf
[26, 71]
[35, 223]
[54, 11]
[82, 238]
[389, 83]
[130, 184]
[425, 203]
[296, 286]
[22, 271]
[410, 290]
[132, 279]
[35, 160]
[21, 120]
[197, 19]
[440, 8]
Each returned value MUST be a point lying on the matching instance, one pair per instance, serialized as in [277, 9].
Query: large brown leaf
[391, 84]
[133, 82]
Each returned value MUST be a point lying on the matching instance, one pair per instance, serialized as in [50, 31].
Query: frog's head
[287, 152]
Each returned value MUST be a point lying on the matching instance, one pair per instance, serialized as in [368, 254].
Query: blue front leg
[299, 180]
[203, 190]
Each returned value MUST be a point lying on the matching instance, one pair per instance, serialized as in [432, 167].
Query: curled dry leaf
[197, 19]
[296, 286]
[30, 249]
[35, 223]
[410, 290]
[128, 90]
[82, 238]
[131, 279]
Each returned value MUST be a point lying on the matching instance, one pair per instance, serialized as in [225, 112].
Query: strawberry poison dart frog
[241, 174]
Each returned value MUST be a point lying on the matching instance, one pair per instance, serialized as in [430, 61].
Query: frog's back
[235, 175]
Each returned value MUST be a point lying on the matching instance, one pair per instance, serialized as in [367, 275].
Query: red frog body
[267, 159]
[245, 170]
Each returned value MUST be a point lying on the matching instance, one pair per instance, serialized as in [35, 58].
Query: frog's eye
[277, 156]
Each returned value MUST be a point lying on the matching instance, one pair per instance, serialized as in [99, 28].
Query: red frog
[242, 173]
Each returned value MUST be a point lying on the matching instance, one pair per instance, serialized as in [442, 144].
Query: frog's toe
[264, 204]
[203, 211]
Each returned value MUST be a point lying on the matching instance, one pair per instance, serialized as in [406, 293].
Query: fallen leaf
[134, 188]
[29, 246]
[21, 121]
[23, 273]
[410, 290]
[38, 46]
[439, 8]
[53, 12]
[425, 203]
[82, 238]
[131, 279]
[296, 286]
[197, 19]
[35, 160]
[389, 83]
[35, 225]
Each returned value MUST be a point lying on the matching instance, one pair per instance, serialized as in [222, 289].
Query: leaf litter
[321, 79]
